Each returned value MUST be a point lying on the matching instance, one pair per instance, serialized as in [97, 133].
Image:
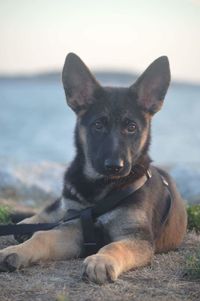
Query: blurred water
[36, 124]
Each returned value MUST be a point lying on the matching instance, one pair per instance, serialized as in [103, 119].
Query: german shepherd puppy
[112, 138]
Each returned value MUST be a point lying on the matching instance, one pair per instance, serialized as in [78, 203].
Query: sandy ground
[163, 280]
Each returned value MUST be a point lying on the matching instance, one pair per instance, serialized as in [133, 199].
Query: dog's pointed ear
[79, 84]
[152, 85]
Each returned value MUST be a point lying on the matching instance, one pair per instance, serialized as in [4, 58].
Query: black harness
[93, 237]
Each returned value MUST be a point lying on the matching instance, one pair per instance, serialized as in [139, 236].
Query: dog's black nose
[113, 166]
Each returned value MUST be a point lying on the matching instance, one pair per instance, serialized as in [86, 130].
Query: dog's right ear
[79, 84]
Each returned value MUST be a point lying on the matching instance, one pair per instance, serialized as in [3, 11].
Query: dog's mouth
[115, 176]
[115, 179]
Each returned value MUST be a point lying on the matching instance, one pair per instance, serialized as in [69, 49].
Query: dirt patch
[162, 281]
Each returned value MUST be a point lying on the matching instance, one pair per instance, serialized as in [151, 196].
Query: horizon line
[112, 71]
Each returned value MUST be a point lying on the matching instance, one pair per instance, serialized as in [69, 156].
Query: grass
[62, 298]
[4, 214]
[193, 212]
[192, 262]
[192, 266]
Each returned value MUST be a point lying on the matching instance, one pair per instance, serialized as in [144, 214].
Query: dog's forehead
[115, 103]
[117, 100]
[116, 94]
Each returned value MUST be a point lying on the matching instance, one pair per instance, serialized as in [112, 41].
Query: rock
[31, 183]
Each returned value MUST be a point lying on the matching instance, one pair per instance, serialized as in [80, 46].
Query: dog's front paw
[10, 260]
[100, 268]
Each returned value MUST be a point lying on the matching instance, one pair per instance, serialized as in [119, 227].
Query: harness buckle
[164, 181]
[149, 173]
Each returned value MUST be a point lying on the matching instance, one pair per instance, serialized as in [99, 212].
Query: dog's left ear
[79, 84]
[152, 85]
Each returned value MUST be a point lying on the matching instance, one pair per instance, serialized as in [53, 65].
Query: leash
[88, 215]
[111, 201]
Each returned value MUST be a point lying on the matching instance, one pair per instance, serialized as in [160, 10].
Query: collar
[132, 187]
[117, 196]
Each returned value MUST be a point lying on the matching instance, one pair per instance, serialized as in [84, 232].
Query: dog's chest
[108, 217]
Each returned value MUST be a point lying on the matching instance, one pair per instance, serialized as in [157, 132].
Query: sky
[124, 35]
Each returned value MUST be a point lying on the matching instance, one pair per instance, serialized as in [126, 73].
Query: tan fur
[144, 136]
[117, 257]
[175, 229]
[55, 244]
[43, 217]
[89, 171]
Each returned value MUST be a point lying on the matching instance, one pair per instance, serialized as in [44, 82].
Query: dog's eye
[131, 127]
[98, 125]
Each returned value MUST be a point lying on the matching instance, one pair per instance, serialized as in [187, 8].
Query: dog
[112, 138]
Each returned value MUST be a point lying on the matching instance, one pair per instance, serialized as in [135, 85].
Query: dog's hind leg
[117, 257]
[61, 243]
[50, 214]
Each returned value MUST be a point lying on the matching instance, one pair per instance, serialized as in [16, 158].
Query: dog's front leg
[61, 243]
[115, 258]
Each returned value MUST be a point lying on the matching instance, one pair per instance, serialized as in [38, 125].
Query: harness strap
[168, 202]
[100, 208]
[115, 197]
[22, 229]
[88, 215]
[89, 239]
